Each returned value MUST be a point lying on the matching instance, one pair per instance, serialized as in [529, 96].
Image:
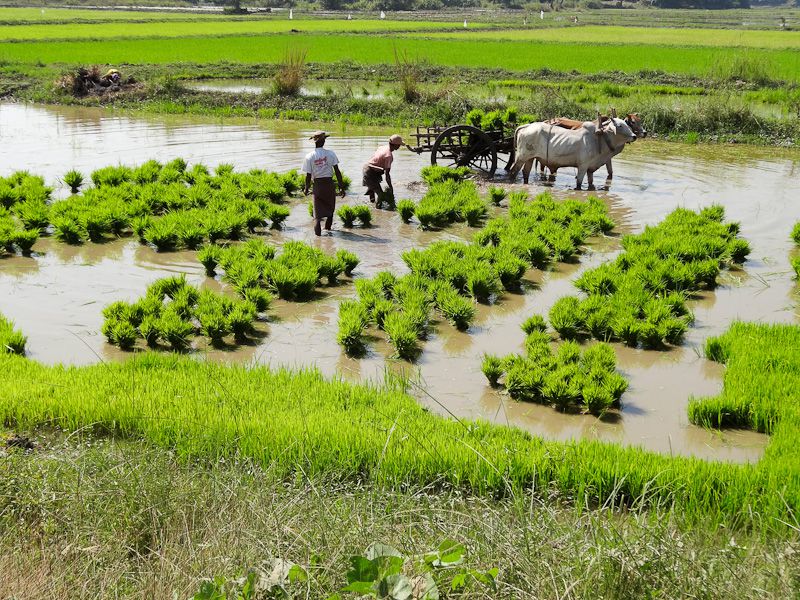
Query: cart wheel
[465, 146]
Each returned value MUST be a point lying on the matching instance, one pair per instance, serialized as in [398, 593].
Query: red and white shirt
[320, 163]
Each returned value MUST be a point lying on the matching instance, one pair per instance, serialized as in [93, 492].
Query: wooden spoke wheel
[465, 146]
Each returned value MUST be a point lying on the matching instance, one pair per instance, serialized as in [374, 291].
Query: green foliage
[74, 179]
[570, 379]
[497, 195]
[796, 233]
[434, 174]
[401, 329]
[641, 297]
[353, 319]
[448, 202]
[169, 311]
[12, 341]
[543, 230]
[349, 214]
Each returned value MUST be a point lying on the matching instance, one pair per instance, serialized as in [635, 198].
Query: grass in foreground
[299, 422]
[87, 518]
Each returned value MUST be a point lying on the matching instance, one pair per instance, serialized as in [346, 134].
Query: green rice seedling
[277, 214]
[560, 389]
[795, 262]
[492, 367]
[174, 330]
[473, 212]
[149, 330]
[405, 208]
[353, 319]
[386, 280]
[459, 311]
[243, 275]
[568, 353]
[305, 278]
[510, 269]
[12, 341]
[147, 172]
[240, 320]
[69, 230]
[796, 233]
[672, 330]
[347, 214]
[97, 223]
[597, 399]
[34, 214]
[279, 276]
[525, 380]
[224, 170]
[111, 176]
[482, 283]
[177, 164]
[209, 256]
[167, 287]
[565, 317]
[190, 235]
[534, 323]
[348, 260]
[330, 268]
[497, 195]
[214, 324]
[310, 208]
[738, 249]
[124, 335]
[380, 309]
[599, 356]
[139, 225]
[162, 234]
[363, 214]
[436, 174]
[402, 333]
[258, 297]
[24, 240]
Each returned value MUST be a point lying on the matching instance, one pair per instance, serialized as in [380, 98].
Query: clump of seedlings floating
[170, 206]
[569, 379]
[350, 214]
[24, 211]
[795, 260]
[254, 268]
[641, 297]
[12, 341]
[447, 278]
[172, 312]
[74, 179]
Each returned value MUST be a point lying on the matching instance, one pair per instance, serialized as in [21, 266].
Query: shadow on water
[57, 296]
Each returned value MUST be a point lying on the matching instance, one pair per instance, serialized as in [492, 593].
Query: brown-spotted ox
[586, 148]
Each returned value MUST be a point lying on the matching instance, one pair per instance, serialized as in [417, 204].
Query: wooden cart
[466, 146]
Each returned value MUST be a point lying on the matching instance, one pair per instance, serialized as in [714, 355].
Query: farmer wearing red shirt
[379, 165]
[319, 166]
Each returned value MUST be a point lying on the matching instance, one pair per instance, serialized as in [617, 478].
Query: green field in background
[518, 56]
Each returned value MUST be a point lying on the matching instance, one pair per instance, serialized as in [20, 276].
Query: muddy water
[56, 297]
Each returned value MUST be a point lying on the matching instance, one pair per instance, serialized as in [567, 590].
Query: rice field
[520, 56]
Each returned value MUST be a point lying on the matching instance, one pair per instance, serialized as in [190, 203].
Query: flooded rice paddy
[56, 297]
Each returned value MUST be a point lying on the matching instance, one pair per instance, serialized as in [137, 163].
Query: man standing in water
[319, 166]
[379, 165]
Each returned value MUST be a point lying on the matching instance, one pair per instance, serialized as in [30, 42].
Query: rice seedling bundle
[641, 297]
[172, 311]
[294, 273]
[353, 320]
[449, 201]
[12, 341]
[796, 233]
[406, 208]
[570, 379]
[434, 174]
[194, 205]
[543, 230]
[13, 237]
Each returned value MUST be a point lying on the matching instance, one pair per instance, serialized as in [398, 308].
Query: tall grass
[289, 78]
[212, 411]
[11, 340]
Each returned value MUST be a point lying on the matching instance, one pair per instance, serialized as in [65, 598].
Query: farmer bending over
[319, 166]
[379, 165]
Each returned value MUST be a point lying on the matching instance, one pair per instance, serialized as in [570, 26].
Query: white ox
[587, 148]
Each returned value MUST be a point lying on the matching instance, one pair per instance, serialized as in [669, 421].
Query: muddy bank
[56, 297]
